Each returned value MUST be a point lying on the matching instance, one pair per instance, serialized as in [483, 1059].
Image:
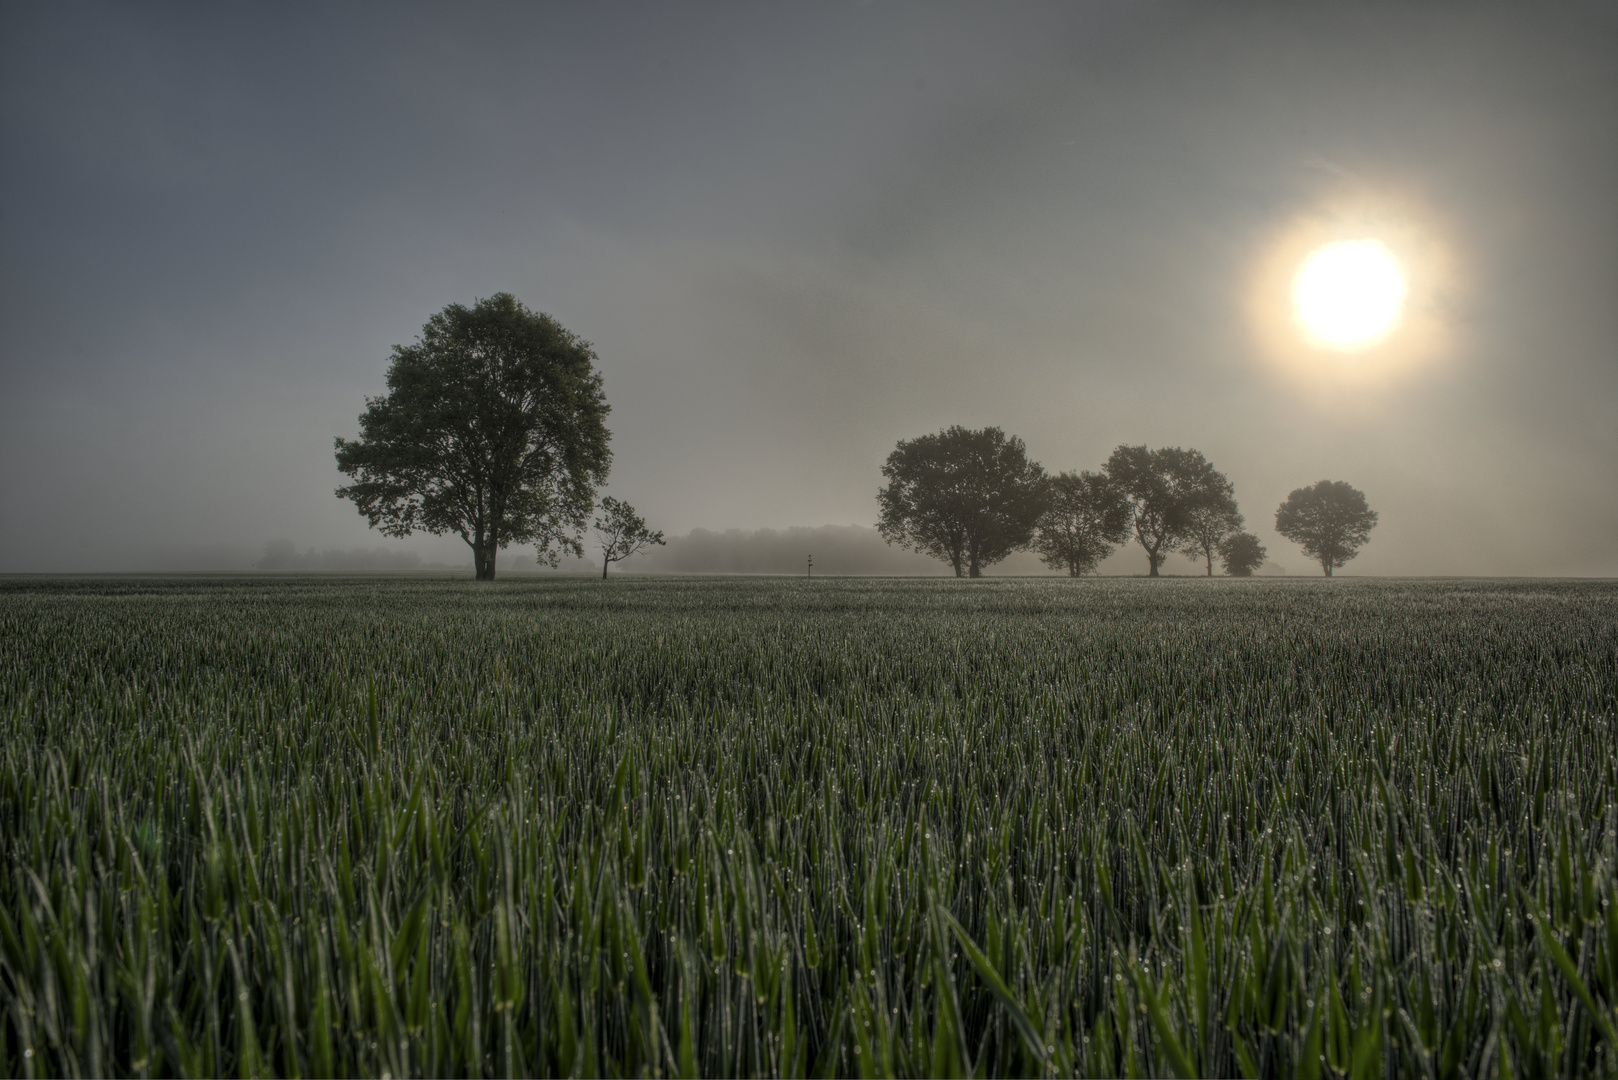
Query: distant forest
[284, 555]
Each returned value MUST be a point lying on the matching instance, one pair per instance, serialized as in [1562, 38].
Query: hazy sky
[798, 233]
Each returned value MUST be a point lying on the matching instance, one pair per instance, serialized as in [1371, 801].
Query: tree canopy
[968, 497]
[493, 428]
[1330, 521]
[1241, 554]
[622, 533]
[1210, 519]
[1166, 489]
[1086, 516]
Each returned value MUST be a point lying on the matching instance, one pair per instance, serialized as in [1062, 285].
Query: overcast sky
[798, 233]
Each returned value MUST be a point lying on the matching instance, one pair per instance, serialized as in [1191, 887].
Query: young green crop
[317, 826]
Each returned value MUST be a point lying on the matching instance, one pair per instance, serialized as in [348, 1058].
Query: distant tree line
[971, 497]
[839, 551]
[284, 555]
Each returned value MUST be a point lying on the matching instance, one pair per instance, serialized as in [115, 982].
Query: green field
[390, 826]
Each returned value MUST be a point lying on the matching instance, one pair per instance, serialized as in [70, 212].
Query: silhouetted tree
[1211, 517]
[1329, 521]
[493, 428]
[622, 533]
[1241, 554]
[1163, 487]
[1086, 516]
[968, 497]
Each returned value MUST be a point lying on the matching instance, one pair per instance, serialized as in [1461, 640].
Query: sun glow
[1349, 295]
[1354, 296]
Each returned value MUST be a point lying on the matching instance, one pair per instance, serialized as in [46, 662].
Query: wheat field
[399, 826]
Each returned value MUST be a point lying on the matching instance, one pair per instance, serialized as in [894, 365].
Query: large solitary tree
[1086, 516]
[1164, 488]
[1329, 521]
[969, 497]
[493, 428]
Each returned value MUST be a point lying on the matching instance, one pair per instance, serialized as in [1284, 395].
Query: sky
[796, 234]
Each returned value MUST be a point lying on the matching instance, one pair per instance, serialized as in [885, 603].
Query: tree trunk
[484, 541]
[483, 559]
[1209, 553]
[955, 563]
[1326, 565]
[605, 562]
[973, 569]
[1151, 557]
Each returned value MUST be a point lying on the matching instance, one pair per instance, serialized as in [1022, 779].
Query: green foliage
[1177, 500]
[493, 428]
[1241, 554]
[968, 497]
[310, 826]
[1329, 520]
[1210, 520]
[1085, 517]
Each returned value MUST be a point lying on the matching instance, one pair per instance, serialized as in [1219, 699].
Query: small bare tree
[622, 533]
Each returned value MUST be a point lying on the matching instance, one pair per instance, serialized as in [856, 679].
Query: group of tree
[493, 429]
[972, 497]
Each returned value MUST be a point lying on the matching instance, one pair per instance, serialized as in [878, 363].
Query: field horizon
[568, 573]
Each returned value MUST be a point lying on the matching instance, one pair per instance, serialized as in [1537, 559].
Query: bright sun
[1348, 295]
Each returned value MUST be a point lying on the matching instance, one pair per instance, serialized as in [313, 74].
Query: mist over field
[838, 551]
[796, 235]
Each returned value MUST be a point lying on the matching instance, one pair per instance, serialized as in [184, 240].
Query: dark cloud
[797, 234]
